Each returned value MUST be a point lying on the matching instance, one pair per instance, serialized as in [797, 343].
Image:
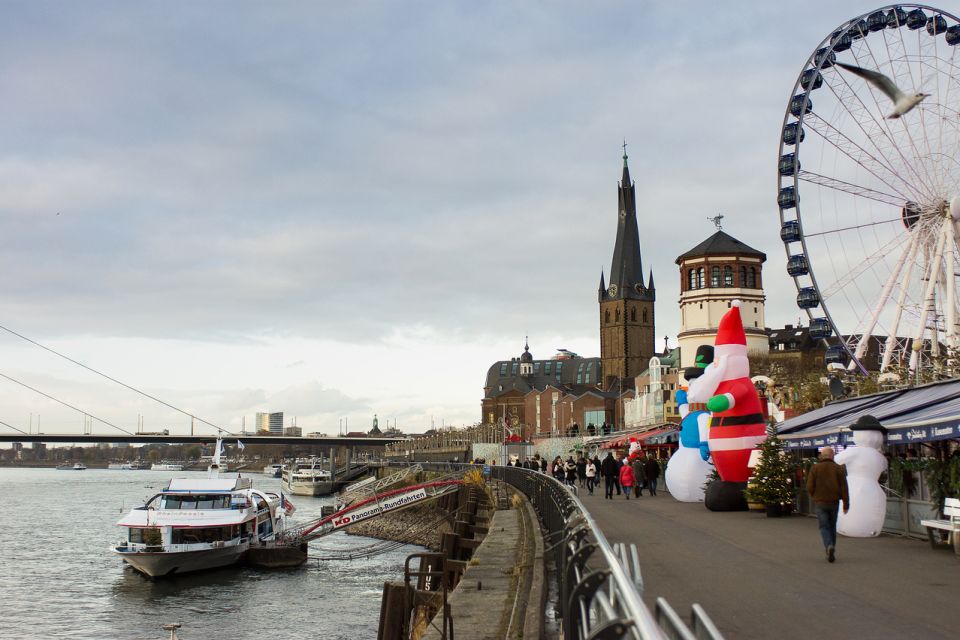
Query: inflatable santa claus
[736, 424]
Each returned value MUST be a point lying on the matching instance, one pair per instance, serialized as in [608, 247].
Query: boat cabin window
[149, 535]
[196, 502]
[196, 535]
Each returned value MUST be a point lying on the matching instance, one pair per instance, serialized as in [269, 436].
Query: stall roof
[919, 414]
[622, 439]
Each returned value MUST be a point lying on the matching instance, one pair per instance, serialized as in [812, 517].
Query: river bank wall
[422, 525]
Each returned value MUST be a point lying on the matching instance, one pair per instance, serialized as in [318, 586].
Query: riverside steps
[763, 578]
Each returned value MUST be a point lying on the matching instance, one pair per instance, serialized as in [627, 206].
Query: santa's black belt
[731, 421]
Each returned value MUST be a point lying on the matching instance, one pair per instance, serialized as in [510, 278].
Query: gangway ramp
[367, 508]
[372, 486]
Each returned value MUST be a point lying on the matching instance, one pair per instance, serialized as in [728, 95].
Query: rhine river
[58, 578]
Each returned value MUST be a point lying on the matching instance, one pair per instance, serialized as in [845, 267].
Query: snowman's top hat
[703, 358]
[867, 423]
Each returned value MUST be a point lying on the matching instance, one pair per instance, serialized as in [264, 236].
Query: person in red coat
[627, 479]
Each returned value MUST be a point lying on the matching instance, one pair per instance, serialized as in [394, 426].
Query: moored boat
[166, 466]
[124, 466]
[273, 470]
[306, 478]
[79, 466]
[199, 523]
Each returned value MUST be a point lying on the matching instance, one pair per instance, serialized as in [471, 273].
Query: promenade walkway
[761, 578]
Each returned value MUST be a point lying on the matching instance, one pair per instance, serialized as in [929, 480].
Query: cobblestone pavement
[760, 577]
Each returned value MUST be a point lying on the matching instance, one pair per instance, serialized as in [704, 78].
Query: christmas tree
[772, 481]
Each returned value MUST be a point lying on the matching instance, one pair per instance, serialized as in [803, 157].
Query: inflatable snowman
[688, 469]
[864, 464]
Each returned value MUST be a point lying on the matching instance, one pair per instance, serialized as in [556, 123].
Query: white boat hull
[165, 563]
[308, 488]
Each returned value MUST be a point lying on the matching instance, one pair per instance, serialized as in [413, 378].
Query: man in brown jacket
[827, 486]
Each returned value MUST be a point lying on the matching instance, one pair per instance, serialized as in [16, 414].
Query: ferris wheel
[869, 193]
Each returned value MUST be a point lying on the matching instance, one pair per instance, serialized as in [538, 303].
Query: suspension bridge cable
[66, 404]
[122, 384]
[14, 428]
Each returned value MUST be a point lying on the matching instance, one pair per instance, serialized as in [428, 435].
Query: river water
[58, 578]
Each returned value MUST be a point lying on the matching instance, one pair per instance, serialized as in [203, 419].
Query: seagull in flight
[902, 102]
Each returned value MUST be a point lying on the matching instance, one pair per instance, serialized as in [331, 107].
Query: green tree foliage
[773, 476]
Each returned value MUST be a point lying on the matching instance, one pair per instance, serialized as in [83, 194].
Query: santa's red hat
[730, 331]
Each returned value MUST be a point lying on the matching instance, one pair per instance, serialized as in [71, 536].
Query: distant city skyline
[348, 209]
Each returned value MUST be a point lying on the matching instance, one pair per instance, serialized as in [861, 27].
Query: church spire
[626, 269]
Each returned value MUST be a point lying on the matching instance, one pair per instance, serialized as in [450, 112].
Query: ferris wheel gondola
[870, 204]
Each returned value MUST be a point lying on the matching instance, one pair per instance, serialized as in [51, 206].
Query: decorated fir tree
[772, 482]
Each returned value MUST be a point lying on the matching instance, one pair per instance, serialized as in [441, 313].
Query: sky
[338, 210]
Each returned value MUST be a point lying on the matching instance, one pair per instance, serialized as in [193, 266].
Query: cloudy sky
[341, 209]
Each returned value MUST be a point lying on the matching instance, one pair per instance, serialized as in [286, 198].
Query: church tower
[626, 303]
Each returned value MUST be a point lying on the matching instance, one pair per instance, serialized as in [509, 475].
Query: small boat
[306, 478]
[166, 466]
[79, 466]
[273, 470]
[199, 523]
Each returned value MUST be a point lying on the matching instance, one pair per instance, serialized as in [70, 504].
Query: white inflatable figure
[634, 450]
[687, 471]
[864, 464]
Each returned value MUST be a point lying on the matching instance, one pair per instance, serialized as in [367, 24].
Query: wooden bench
[951, 509]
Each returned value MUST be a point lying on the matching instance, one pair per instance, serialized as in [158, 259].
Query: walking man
[609, 470]
[651, 469]
[639, 476]
[827, 486]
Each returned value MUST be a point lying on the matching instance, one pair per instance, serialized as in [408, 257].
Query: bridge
[337, 441]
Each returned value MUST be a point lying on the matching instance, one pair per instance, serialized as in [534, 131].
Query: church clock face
[612, 290]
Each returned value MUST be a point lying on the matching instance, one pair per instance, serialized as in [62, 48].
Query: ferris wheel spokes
[875, 130]
[864, 342]
[932, 274]
[881, 170]
[891, 345]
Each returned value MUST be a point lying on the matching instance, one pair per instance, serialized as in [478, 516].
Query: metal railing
[598, 587]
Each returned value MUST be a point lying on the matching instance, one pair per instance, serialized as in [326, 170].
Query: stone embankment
[422, 525]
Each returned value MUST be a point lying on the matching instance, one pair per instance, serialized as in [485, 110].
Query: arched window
[752, 278]
[606, 317]
[644, 316]
[633, 314]
[692, 279]
[728, 276]
[715, 277]
[743, 276]
[618, 315]
[701, 278]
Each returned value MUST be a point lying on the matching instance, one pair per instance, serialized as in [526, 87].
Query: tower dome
[526, 360]
[526, 356]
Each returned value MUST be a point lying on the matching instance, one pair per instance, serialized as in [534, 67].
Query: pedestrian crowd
[621, 475]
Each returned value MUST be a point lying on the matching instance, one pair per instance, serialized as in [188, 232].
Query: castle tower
[626, 304]
[713, 274]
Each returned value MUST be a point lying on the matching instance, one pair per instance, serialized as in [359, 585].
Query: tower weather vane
[717, 220]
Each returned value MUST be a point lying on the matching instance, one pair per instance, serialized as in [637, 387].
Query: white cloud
[388, 196]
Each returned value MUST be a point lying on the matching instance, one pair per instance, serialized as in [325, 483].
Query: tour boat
[306, 478]
[124, 466]
[166, 466]
[199, 523]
